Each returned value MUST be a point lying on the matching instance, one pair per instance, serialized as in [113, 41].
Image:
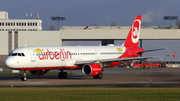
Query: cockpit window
[22, 54]
[14, 54]
[17, 54]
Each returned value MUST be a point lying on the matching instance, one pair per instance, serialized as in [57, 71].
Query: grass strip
[89, 94]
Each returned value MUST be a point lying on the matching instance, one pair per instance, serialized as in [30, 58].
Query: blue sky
[89, 12]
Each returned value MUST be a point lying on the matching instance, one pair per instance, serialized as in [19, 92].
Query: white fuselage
[57, 57]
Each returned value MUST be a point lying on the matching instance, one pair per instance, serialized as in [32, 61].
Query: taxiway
[113, 77]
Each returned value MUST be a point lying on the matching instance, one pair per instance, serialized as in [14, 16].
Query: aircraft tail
[132, 39]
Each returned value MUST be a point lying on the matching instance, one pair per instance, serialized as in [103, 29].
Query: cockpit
[16, 54]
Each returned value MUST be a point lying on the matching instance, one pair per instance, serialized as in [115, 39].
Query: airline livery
[90, 59]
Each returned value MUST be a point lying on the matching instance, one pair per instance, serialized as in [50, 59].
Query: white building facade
[7, 24]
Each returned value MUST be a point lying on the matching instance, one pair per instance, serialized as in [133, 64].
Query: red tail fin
[132, 39]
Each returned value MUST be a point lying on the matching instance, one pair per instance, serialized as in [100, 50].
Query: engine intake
[38, 72]
[91, 69]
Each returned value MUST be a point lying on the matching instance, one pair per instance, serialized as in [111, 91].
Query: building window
[16, 24]
[30, 24]
[107, 41]
[3, 24]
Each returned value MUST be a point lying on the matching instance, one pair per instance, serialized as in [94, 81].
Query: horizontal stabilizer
[151, 50]
[174, 54]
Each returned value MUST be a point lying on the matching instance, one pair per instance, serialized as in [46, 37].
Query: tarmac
[113, 77]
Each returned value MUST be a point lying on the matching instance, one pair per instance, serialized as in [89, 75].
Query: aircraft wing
[122, 60]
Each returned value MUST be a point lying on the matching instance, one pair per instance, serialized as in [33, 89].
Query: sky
[93, 12]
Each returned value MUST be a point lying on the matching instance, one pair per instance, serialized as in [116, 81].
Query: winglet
[174, 54]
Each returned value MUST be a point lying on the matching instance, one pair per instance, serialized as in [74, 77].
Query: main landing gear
[99, 76]
[24, 78]
[62, 75]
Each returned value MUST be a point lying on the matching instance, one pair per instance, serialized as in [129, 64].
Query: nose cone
[8, 62]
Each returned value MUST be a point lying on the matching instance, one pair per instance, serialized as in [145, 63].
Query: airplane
[38, 60]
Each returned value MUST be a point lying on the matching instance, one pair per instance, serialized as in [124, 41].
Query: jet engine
[91, 69]
[38, 72]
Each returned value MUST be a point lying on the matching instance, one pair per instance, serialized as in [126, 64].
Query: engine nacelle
[91, 69]
[38, 72]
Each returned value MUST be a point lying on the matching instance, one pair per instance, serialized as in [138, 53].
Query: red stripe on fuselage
[48, 68]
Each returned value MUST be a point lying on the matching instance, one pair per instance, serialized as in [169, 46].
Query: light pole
[170, 18]
[58, 18]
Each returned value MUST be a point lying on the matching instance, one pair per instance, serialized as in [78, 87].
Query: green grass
[89, 94]
[9, 73]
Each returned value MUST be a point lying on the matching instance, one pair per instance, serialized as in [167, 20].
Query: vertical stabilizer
[132, 39]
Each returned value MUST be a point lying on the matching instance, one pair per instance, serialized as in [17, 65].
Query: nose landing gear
[24, 78]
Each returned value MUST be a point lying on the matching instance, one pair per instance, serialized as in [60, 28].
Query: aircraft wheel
[24, 79]
[95, 77]
[65, 75]
[100, 76]
[60, 75]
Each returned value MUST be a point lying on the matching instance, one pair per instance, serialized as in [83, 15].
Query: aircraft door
[33, 55]
[97, 54]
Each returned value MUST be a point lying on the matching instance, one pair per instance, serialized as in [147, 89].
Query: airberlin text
[62, 54]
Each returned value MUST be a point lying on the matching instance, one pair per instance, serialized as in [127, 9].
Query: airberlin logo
[47, 54]
[135, 31]
[119, 49]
